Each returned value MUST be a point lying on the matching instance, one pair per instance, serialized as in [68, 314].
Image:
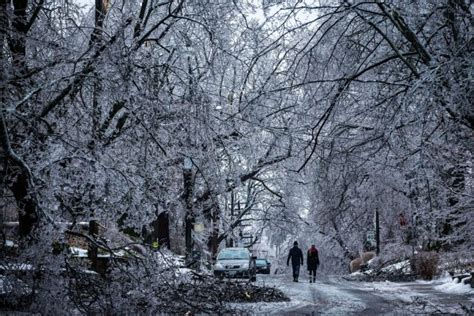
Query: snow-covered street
[334, 295]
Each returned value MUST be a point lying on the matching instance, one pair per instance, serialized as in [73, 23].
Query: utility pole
[413, 234]
[377, 232]
[188, 202]
[232, 207]
[92, 249]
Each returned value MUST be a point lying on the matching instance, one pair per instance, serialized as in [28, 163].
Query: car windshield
[261, 262]
[233, 254]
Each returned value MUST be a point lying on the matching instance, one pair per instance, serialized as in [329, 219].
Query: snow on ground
[403, 266]
[12, 266]
[78, 252]
[456, 288]
[441, 295]
[447, 285]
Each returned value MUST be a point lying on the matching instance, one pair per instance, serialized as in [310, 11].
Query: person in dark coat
[312, 263]
[296, 256]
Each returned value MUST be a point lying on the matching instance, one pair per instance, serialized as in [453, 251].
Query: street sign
[370, 238]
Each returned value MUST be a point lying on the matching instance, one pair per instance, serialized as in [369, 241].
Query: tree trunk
[96, 37]
[19, 181]
[213, 241]
[161, 229]
[17, 39]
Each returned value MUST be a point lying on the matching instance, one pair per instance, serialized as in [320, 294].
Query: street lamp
[377, 231]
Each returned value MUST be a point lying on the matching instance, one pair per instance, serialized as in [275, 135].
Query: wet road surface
[334, 295]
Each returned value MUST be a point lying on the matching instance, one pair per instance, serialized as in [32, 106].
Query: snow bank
[403, 266]
[447, 285]
[451, 286]
[10, 266]
[78, 252]
[397, 271]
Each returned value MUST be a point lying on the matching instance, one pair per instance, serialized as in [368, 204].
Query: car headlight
[218, 266]
[245, 266]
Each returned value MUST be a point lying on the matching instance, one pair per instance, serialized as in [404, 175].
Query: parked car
[263, 266]
[235, 263]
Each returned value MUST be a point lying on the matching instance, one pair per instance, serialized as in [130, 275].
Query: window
[227, 254]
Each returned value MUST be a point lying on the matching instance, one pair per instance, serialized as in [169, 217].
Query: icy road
[334, 295]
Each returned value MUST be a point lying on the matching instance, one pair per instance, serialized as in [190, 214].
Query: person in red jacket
[312, 263]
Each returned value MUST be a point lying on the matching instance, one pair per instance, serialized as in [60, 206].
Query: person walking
[296, 256]
[312, 263]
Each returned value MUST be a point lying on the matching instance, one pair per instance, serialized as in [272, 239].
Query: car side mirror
[253, 258]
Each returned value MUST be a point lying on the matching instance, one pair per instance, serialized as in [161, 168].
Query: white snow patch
[119, 253]
[402, 265]
[395, 291]
[184, 271]
[451, 286]
[10, 243]
[361, 273]
[16, 266]
[78, 252]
